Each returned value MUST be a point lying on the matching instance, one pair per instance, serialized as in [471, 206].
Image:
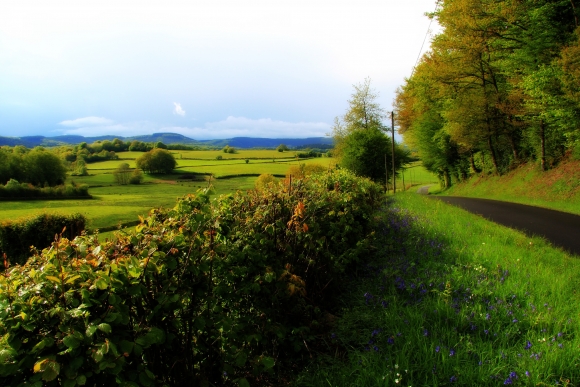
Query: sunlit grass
[557, 188]
[454, 299]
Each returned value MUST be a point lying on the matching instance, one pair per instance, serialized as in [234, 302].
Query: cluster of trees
[361, 140]
[156, 161]
[229, 149]
[38, 166]
[500, 86]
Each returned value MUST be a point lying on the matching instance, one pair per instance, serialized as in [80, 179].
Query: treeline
[500, 86]
[38, 166]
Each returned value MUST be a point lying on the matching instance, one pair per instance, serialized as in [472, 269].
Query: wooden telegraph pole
[393, 149]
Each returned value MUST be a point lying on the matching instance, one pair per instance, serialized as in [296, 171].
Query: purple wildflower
[528, 345]
[451, 352]
[453, 379]
[437, 348]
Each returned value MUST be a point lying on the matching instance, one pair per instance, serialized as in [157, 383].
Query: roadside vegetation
[451, 298]
[229, 291]
[498, 88]
[557, 188]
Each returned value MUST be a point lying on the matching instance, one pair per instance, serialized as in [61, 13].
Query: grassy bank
[454, 299]
[558, 188]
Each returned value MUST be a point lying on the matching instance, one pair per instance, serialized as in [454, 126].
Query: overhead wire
[425, 38]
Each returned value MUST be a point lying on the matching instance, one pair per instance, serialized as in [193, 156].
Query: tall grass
[454, 299]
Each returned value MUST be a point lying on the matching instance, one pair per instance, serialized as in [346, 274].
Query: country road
[560, 228]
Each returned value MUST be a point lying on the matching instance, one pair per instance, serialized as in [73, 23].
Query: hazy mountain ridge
[169, 138]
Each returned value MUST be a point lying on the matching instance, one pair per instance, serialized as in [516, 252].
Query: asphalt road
[560, 228]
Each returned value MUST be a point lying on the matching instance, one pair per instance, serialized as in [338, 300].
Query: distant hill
[253, 142]
[171, 138]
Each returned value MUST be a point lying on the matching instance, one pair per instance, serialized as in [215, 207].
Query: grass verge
[454, 299]
[557, 188]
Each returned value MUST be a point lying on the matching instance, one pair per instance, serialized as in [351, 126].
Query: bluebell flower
[453, 379]
[528, 345]
[451, 352]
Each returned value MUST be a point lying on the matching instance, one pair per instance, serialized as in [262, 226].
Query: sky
[207, 69]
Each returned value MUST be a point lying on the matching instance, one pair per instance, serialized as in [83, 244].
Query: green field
[113, 205]
[451, 298]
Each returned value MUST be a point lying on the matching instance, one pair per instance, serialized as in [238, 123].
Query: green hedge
[15, 190]
[207, 293]
[17, 237]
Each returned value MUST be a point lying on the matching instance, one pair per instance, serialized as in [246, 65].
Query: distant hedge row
[17, 237]
[17, 190]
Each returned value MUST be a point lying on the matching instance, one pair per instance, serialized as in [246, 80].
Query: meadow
[114, 206]
[451, 298]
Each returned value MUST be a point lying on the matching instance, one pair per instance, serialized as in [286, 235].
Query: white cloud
[178, 109]
[228, 128]
[247, 127]
[86, 121]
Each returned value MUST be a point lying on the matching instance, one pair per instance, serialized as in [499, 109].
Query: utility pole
[386, 174]
[393, 149]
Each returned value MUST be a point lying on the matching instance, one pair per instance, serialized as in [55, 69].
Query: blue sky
[205, 69]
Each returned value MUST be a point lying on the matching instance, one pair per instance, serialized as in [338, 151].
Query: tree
[43, 167]
[122, 174]
[365, 151]
[156, 161]
[360, 136]
[282, 148]
[363, 113]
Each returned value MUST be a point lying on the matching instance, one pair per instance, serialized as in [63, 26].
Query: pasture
[114, 205]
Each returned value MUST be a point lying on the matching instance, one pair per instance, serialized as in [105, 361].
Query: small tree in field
[136, 177]
[122, 174]
[282, 148]
[264, 180]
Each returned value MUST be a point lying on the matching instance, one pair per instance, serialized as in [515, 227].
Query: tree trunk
[543, 145]
[492, 151]
[472, 162]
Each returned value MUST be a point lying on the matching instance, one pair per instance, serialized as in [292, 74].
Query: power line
[425, 38]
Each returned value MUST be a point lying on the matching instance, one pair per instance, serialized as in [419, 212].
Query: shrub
[136, 177]
[17, 237]
[302, 170]
[205, 293]
[264, 180]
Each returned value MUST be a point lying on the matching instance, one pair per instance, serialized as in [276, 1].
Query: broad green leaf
[243, 383]
[81, 380]
[53, 279]
[101, 283]
[105, 327]
[71, 342]
[268, 362]
[91, 330]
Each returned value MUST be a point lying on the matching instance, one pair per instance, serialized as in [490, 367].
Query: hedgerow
[207, 293]
[18, 191]
[17, 237]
